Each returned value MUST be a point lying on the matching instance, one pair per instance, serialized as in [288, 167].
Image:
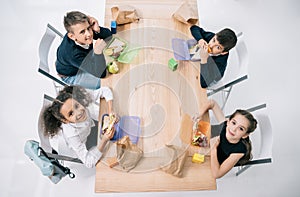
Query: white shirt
[85, 46]
[75, 134]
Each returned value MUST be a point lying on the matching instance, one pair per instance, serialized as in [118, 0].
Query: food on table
[115, 48]
[200, 133]
[109, 51]
[108, 123]
[113, 67]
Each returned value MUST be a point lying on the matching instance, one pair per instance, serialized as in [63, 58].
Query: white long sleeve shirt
[75, 134]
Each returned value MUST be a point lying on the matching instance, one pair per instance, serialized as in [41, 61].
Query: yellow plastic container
[198, 158]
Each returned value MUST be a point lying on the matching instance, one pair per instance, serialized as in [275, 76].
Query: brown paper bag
[124, 14]
[178, 158]
[187, 13]
[128, 154]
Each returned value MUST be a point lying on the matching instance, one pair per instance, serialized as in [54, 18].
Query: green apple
[112, 67]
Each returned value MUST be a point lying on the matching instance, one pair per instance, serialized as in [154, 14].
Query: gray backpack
[49, 166]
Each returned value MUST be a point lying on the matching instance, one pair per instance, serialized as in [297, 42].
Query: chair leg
[226, 94]
[241, 169]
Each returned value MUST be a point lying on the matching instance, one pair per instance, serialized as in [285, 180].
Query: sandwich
[209, 50]
[108, 124]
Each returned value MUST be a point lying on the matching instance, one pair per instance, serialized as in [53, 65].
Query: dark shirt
[71, 57]
[226, 148]
[215, 67]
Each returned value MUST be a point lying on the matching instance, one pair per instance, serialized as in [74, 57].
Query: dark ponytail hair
[52, 116]
[246, 141]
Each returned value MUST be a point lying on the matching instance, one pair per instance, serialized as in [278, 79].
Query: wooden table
[162, 98]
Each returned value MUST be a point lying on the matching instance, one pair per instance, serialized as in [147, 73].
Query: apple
[112, 67]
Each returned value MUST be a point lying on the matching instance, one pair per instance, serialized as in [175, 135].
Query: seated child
[72, 113]
[79, 62]
[233, 145]
[214, 52]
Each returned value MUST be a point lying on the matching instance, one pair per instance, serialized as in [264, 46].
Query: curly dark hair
[246, 141]
[52, 116]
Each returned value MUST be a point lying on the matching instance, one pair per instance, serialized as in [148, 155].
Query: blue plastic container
[181, 48]
[128, 125]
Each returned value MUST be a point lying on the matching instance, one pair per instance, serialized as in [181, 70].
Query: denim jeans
[84, 79]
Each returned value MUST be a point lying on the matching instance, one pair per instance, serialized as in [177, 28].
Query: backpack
[49, 167]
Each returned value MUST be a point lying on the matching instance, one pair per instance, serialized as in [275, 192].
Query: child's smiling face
[82, 33]
[73, 111]
[237, 128]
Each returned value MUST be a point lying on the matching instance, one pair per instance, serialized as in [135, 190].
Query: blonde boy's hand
[94, 24]
[99, 46]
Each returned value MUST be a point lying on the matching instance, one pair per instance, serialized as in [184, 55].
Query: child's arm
[99, 32]
[103, 34]
[198, 33]
[105, 138]
[220, 170]
[212, 105]
[106, 93]
[217, 111]
[109, 105]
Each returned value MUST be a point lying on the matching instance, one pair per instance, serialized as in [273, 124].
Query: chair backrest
[237, 67]
[45, 140]
[45, 67]
[262, 137]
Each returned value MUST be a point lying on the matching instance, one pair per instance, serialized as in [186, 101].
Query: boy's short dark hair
[73, 18]
[227, 39]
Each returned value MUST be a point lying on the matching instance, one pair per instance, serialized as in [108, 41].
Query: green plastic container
[172, 64]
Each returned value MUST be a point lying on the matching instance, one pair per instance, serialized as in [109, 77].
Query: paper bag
[128, 154]
[178, 158]
[124, 14]
[187, 13]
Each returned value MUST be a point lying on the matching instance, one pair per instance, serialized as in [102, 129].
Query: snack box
[198, 158]
[127, 125]
[185, 49]
[115, 47]
[201, 136]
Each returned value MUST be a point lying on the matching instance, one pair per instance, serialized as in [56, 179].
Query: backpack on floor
[49, 167]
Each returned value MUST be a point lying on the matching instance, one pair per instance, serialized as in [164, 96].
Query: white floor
[271, 32]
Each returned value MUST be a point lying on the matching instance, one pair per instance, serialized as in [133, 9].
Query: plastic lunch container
[128, 125]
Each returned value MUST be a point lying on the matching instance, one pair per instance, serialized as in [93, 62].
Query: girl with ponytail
[232, 145]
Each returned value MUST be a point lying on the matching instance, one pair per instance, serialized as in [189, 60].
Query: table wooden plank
[196, 177]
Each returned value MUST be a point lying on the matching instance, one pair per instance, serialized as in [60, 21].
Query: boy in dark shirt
[79, 62]
[214, 52]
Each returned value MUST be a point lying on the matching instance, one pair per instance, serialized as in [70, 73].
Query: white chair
[261, 138]
[44, 50]
[236, 71]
